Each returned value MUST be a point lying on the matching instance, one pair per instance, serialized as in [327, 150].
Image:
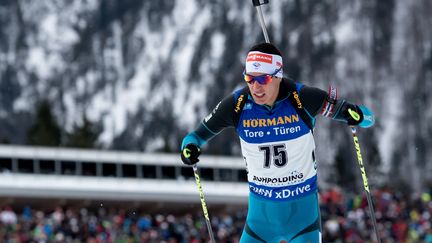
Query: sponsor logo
[281, 194]
[209, 116]
[256, 65]
[294, 177]
[286, 193]
[253, 57]
[360, 161]
[239, 101]
[275, 121]
[261, 191]
[297, 99]
[286, 130]
[369, 118]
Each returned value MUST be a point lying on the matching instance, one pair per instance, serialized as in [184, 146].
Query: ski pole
[365, 181]
[203, 203]
[257, 4]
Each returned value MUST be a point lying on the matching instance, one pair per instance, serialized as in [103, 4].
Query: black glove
[353, 114]
[190, 153]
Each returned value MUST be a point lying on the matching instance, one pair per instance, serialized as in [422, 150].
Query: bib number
[276, 153]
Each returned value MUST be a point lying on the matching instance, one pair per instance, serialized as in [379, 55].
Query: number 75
[278, 152]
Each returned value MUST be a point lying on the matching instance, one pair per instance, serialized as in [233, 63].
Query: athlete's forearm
[220, 118]
[341, 109]
[317, 101]
[198, 137]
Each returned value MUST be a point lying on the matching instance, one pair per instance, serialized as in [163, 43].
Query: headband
[264, 63]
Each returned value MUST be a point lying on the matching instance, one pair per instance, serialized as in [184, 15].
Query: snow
[274, 16]
[344, 31]
[216, 48]
[57, 34]
[158, 50]
[187, 95]
[34, 62]
[163, 69]
[390, 118]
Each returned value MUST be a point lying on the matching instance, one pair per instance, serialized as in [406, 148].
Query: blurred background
[96, 95]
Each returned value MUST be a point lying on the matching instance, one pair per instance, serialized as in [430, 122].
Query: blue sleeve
[194, 139]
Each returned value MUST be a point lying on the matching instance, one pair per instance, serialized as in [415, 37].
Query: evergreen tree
[83, 136]
[345, 168]
[45, 130]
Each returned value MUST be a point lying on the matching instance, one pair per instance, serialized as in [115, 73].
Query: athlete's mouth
[259, 95]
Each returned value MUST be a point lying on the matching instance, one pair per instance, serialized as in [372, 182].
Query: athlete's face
[264, 94]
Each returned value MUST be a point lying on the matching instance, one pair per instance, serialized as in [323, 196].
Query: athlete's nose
[256, 85]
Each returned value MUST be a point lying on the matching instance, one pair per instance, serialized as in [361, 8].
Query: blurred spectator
[7, 216]
[345, 218]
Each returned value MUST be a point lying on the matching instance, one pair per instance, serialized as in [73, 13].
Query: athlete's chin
[260, 100]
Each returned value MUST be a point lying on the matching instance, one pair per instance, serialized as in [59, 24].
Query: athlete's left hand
[359, 115]
[190, 154]
[353, 115]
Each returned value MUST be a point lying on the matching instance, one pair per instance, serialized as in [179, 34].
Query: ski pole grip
[259, 2]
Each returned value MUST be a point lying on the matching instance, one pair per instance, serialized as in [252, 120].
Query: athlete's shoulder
[241, 91]
[287, 87]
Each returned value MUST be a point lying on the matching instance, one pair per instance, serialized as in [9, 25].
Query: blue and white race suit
[279, 150]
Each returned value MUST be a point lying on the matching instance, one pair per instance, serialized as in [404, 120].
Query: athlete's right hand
[190, 153]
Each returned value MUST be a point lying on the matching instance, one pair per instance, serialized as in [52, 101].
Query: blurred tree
[45, 130]
[345, 169]
[83, 136]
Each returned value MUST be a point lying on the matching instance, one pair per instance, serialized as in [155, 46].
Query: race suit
[278, 147]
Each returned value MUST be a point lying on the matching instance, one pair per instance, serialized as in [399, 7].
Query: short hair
[266, 48]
